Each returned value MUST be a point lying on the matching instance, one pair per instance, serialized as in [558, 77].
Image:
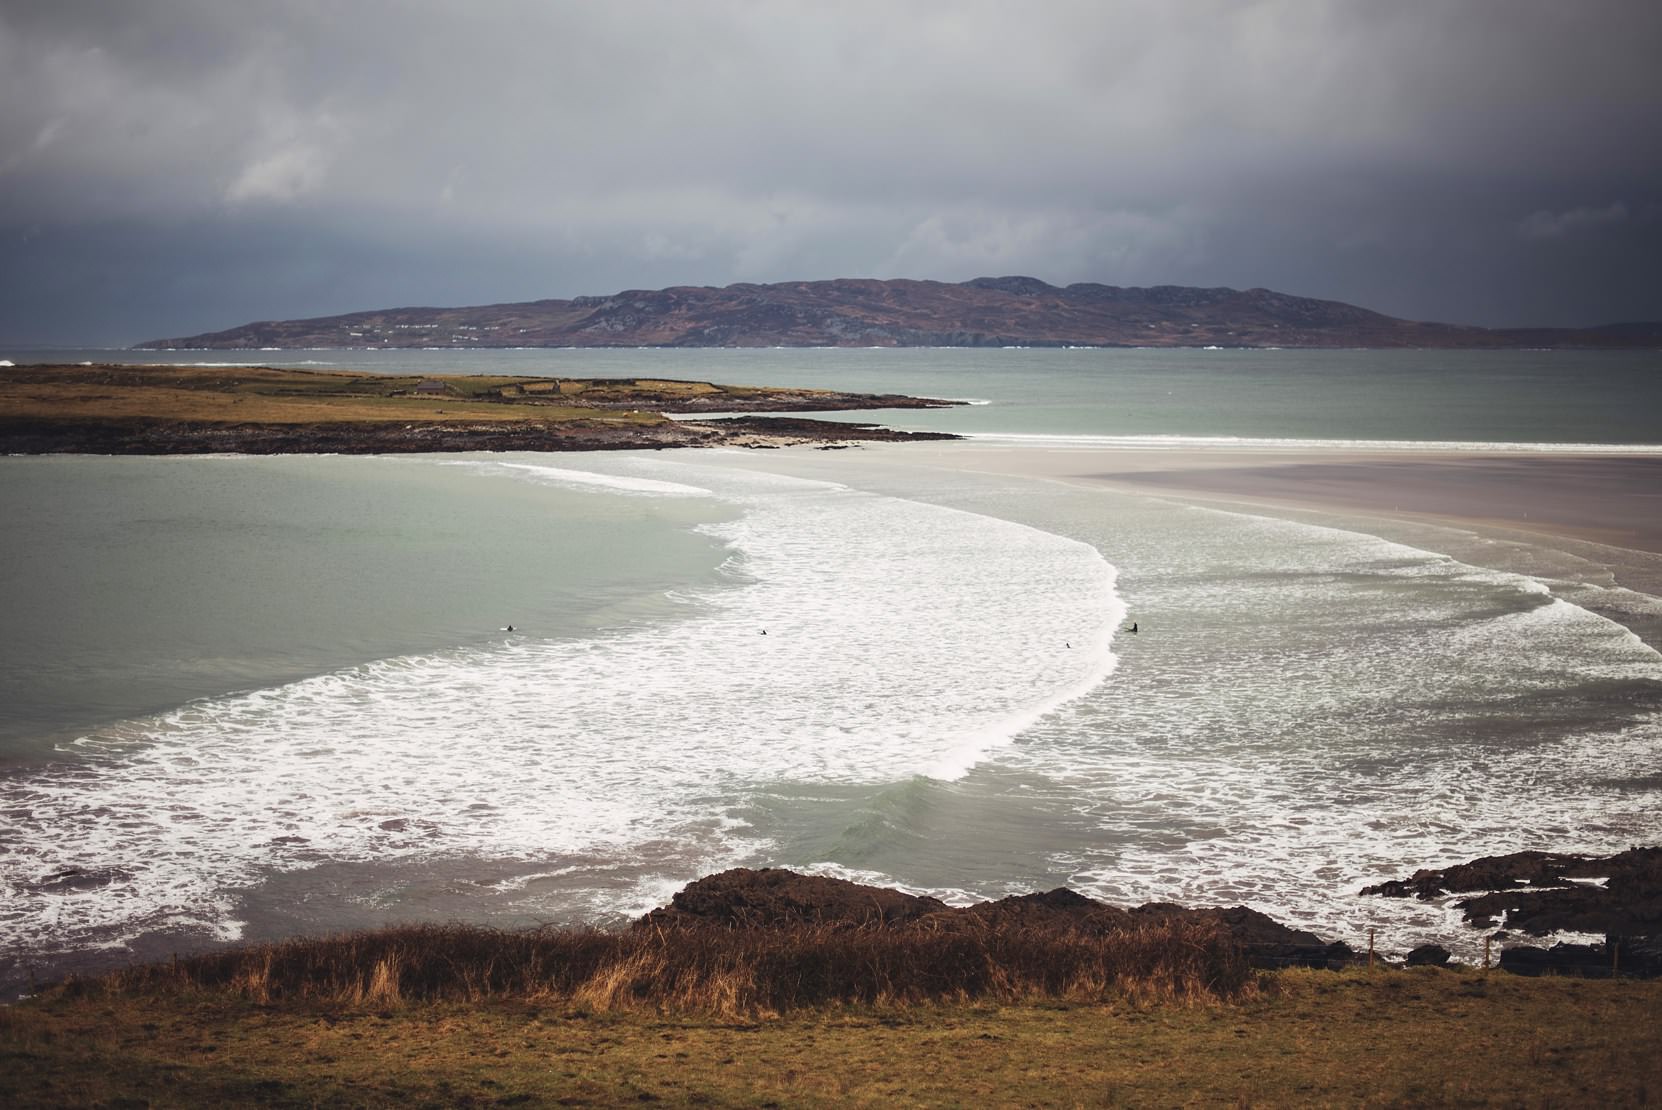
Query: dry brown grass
[1424, 1037]
[728, 972]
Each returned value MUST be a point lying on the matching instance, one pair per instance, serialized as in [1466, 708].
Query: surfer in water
[1133, 627]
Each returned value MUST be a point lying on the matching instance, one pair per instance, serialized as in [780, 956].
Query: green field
[261, 395]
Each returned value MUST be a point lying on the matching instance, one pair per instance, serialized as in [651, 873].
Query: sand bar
[1605, 499]
[1593, 517]
[1611, 499]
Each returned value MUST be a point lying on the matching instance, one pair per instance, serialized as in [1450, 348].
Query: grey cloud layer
[1486, 160]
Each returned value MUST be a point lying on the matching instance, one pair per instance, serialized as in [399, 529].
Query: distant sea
[250, 697]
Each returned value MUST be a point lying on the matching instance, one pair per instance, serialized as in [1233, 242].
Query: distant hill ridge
[858, 312]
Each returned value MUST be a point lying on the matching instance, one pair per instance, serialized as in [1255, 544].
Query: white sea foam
[1378, 709]
[863, 640]
[614, 483]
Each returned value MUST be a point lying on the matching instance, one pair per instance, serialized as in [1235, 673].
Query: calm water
[250, 697]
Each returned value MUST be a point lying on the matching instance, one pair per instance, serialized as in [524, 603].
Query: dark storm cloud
[179, 165]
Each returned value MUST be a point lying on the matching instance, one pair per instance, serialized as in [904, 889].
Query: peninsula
[184, 410]
[985, 312]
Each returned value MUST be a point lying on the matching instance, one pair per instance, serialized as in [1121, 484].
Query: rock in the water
[1541, 893]
[1545, 892]
[73, 880]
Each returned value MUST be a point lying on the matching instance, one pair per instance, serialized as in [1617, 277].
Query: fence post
[1486, 942]
[1615, 957]
[1370, 949]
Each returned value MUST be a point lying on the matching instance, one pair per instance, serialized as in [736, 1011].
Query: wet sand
[1595, 518]
[1609, 499]
[1603, 499]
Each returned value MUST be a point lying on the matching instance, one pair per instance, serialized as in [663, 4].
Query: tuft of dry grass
[717, 971]
[1422, 1037]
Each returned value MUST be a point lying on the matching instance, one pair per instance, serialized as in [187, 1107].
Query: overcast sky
[174, 166]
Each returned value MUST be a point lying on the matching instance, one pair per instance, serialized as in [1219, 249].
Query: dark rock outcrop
[1584, 961]
[774, 898]
[1542, 893]
[1267, 942]
[1059, 908]
[1546, 892]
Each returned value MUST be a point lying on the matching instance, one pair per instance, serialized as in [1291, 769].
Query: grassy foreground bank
[957, 1013]
[1420, 1037]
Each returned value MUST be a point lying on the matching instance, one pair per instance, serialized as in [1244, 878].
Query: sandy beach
[1595, 517]
[1607, 499]
[1611, 500]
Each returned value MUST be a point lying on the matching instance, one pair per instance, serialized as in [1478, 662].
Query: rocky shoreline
[776, 898]
[1543, 893]
[1536, 893]
[149, 437]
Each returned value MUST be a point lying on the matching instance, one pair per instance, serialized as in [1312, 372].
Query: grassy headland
[819, 1016]
[193, 409]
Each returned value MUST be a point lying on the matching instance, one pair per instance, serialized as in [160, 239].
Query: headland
[183, 410]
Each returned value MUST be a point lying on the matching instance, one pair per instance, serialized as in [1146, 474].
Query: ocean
[253, 697]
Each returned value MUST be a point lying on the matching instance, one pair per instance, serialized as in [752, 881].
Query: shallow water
[852, 639]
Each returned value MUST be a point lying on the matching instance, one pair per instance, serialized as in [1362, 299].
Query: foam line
[587, 479]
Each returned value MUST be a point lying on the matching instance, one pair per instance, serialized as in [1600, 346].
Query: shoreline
[1610, 500]
[1594, 519]
[1584, 498]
